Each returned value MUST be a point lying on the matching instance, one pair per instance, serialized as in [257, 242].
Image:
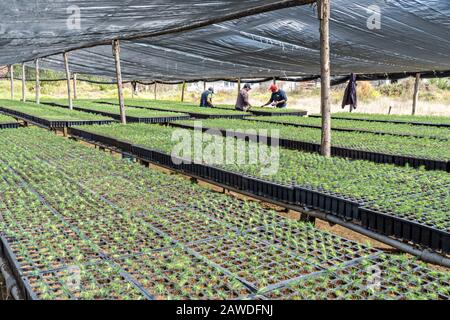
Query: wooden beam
[183, 88]
[38, 84]
[116, 53]
[66, 66]
[324, 16]
[24, 88]
[239, 85]
[11, 79]
[75, 93]
[204, 85]
[154, 90]
[416, 94]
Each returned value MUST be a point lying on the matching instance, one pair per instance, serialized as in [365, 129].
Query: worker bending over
[242, 103]
[278, 98]
[206, 99]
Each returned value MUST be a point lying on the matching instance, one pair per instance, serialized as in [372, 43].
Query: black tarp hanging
[412, 36]
[350, 95]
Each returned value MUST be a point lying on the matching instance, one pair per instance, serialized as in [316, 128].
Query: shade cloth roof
[413, 37]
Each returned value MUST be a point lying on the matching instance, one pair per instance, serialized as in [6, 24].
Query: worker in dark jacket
[278, 98]
[242, 103]
[206, 99]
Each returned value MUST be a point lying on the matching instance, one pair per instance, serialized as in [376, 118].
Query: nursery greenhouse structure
[145, 199]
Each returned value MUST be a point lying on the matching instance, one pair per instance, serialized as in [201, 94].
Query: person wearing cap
[242, 103]
[206, 98]
[278, 98]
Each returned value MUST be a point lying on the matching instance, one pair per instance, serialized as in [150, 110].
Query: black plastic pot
[13, 125]
[390, 225]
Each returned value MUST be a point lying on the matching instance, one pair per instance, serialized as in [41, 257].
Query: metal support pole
[11, 79]
[66, 66]
[416, 94]
[23, 83]
[116, 53]
[38, 84]
[324, 15]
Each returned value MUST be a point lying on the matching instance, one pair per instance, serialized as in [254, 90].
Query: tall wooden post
[204, 85]
[239, 85]
[66, 66]
[38, 84]
[154, 92]
[416, 94]
[23, 83]
[324, 15]
[183, 88]
[75, 94]
[11, 79]
[116, 53]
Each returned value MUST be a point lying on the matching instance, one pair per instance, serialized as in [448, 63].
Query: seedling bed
[52, 124]
[185, 226]
[133, 255]
[345, 208]
[319, 248]
[131, 119]
[100, 281]
[375, 278]
[243, 217]
[193, 114]
[262, 111]
[273, 113]
[178, 274]
[389, 121]
[342, 129]
[257, 264]
[356, 154]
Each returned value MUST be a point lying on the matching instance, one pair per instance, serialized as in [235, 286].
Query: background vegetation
[434, 94]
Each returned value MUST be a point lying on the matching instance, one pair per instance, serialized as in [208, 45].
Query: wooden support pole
[116, 53]
[324, 15]
[23, 83]
[204, 85]
[416, 94]
[155, 90]
[183, 88]
[11, 79]
[239, 85]
[66, 66]
[38, 84]
[75, 94]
